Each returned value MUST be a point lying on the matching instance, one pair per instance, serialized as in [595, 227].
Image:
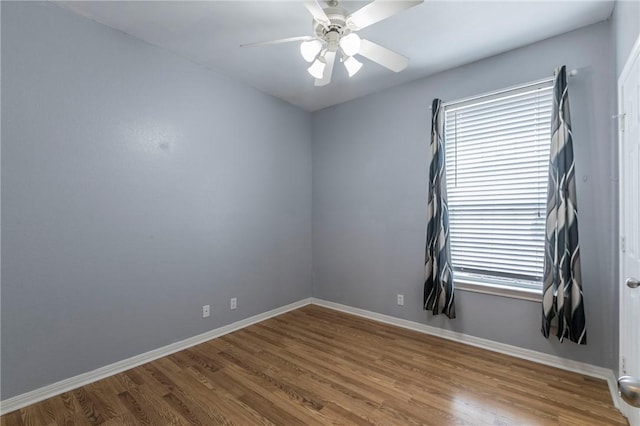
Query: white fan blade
[282, 40]
[329, 58]
[316, 10]
[383, 56]
[377, 11]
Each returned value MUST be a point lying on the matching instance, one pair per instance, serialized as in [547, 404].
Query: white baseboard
[37, 395]
[528, 354]
[45, 392]
[612, 382]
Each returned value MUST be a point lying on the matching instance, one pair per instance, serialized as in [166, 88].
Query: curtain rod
[571, 73]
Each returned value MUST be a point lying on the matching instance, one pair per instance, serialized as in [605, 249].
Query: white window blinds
[497, 162]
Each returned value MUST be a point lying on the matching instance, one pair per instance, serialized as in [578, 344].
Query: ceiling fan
[335, 33]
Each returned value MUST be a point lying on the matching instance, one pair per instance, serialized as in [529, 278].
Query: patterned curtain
[562, 295]
[438, 284]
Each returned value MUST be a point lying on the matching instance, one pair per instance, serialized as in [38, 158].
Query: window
[497, 162]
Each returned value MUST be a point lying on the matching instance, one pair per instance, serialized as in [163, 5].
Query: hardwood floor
[318, 366]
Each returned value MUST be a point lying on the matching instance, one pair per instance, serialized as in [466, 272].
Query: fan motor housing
[336, 30]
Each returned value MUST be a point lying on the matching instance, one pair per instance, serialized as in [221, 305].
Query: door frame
[635, 52]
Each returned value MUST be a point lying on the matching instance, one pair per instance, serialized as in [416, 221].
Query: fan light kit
[310, 49]
[317, 68]
[334, 32]
[352, 65]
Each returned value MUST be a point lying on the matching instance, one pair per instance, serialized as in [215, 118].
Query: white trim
[497, 290]
[542, 81]
[45, 392]
[612, 382]
[528, 354]
[508, 91]
[635, 50]
[634, 55]
[40, 394]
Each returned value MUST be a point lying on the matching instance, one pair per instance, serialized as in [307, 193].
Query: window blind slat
[493, 143]
[504, 125]
[519, 106]
[461, 122]
[495, 132]
[497, 159]
[508, 100]
[514, 173]
[470, 156]
[503, 168]
[518, 264]
[524, 106]
[500, 248]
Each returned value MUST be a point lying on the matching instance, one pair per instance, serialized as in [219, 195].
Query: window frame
[494, 286]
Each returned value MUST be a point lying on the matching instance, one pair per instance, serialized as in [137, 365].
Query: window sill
[498, 290]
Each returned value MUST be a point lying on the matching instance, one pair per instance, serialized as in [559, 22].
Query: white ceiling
[435, 35]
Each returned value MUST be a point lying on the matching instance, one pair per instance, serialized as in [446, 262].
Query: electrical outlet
[206, 310]
[401, 299]
[234, 303]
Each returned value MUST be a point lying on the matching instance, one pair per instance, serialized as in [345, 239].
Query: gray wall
[136, 187]
[370, 168]
[626, 29]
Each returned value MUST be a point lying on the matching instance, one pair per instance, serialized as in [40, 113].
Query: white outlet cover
[234, 303]
[401, 299]
[206, 310]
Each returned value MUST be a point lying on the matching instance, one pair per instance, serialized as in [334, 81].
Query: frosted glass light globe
[350, 44]
[317, 68]
[352, 65]
[310, 49]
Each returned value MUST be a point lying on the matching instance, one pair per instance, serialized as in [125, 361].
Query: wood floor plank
[315, 366]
